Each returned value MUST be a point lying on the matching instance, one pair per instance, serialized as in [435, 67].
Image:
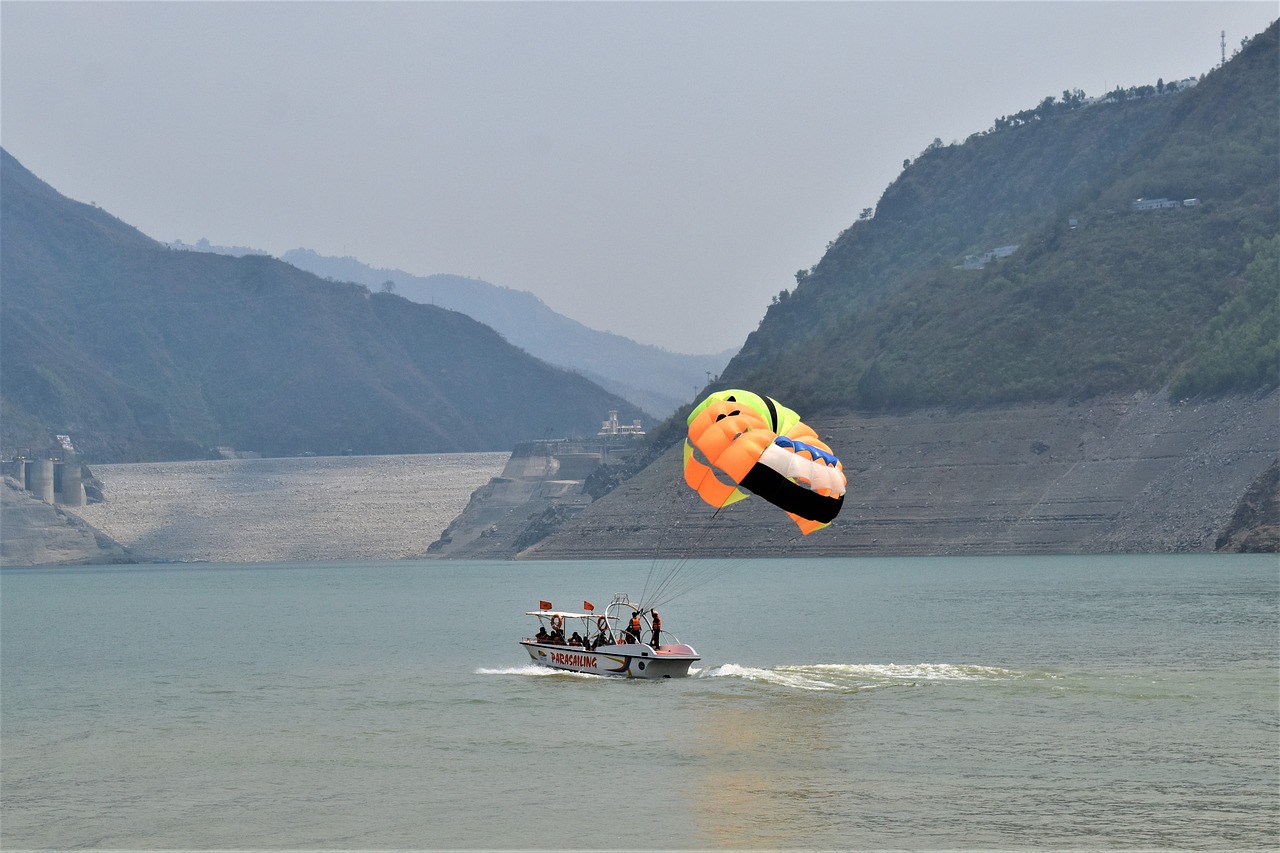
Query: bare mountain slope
[1123, 473]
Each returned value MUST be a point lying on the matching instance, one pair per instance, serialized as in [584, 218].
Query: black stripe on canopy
[778, 490]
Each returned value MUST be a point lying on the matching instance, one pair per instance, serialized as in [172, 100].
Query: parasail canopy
[762, 447]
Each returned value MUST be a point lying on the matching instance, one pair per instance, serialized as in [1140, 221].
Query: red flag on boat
[588, 606]
[545, 605]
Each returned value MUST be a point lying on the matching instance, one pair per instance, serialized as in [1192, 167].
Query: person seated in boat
[633, 628]
[603, 639]
[542, 635]
[576, 639]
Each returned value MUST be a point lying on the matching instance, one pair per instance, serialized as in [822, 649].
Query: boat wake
[830, 677]
[841, 677]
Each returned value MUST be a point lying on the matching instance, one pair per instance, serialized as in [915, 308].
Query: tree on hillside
[1241, 347]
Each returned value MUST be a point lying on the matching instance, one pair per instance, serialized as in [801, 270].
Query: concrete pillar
[71, 492]
[40, 479]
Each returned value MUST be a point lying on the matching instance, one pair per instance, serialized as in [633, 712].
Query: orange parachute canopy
[763, 447]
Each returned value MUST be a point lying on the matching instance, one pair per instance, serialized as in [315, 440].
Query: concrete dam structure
[49, 480]
[39, 525]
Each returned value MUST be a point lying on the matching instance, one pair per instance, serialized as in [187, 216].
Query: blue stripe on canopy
[816, 452]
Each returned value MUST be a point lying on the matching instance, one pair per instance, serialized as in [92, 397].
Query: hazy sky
[660, 170]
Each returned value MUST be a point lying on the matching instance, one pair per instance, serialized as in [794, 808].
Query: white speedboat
[607, 644]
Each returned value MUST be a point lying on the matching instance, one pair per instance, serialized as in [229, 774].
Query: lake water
[1095, 702]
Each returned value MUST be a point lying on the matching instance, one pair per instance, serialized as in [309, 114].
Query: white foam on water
[783, 676]
[847, 677]
[923, 671]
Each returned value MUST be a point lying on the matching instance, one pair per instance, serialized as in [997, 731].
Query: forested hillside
[139, 352]
[1088, 295]
[1000, 351]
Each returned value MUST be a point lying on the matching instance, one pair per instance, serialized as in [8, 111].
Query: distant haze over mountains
[1011, 268]
[140, 352]
[653, 378]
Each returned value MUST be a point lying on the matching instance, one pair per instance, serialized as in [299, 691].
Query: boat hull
[631, 660]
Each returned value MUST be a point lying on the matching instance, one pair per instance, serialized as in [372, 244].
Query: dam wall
[49, 480]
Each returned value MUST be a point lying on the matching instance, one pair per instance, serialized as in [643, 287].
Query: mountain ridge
[653, 378]
[1097, 295]
[1115, 340]
[141, 352]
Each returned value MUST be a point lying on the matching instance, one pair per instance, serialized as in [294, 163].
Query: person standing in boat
[656, 640]
[633, 629]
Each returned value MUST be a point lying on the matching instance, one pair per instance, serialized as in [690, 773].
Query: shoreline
[261, 510]
[1124, 474]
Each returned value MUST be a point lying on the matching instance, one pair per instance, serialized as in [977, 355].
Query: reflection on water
[763, 774]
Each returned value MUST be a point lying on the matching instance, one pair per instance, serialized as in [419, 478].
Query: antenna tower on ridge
[1224, 47]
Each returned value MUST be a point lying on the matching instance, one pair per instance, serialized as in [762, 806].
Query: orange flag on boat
[588, 606]
[545, 605]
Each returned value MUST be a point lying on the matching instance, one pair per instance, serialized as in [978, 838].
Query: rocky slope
[1255, 526]
[1130, 473]
[34, 533]
[1117, 474]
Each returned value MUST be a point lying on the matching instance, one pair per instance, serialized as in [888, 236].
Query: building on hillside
[1154, 203]
[612, 427]
[977, 262]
